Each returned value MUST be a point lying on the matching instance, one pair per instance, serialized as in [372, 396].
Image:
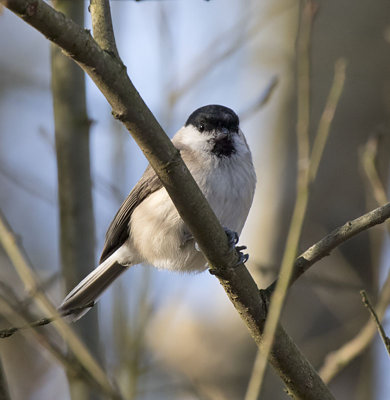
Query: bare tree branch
[337, 360]
[27, 275]
[17, 316]
[241, 32]
[262, 100]
[368, 158]
[345, 232]
[302, 187]
[77, 227]
[307, 166]
[338, 236]
[327, 117]
[382, 333]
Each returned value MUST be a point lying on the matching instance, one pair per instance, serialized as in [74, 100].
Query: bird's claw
[233, 240]
[243, 257]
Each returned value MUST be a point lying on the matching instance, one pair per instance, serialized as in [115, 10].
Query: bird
[147, 227]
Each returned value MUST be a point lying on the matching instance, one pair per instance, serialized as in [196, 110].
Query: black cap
[211, 117]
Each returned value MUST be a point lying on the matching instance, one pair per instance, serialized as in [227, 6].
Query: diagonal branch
[338, 236]
[307, 169]
[338, 359]
[16, 316]
[382, 333]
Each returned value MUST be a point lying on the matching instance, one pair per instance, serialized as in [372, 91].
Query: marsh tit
[148, 229]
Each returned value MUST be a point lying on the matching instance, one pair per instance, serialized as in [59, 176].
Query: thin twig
[338, 359]
[72, 139]
[30, 281]
[303, 86]
[238, 36]
[382, 333]
[339, 235]
[327, 117]
[303, 162]
[214, 58]
[68, 361]
[28, 184]
[262, 100]
[368, 158]
[5, 333]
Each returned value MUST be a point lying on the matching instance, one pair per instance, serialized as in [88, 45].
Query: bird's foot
[233, 240]
[232, 236]
[243, 257]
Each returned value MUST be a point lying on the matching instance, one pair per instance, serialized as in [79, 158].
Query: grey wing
[118, 231]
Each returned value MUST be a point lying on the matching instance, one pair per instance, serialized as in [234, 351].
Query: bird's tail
[82, 298]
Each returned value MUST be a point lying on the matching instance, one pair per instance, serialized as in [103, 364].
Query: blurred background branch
[338, 359]
[18, 316]
[307, 166]
[77, 227]
[261, 101]
[368, 159]
[30, 281]
[382, 333]
[302, 187]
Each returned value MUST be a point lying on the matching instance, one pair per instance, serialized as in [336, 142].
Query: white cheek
[190, 137]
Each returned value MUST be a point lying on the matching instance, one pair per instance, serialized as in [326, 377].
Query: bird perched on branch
[147, 227]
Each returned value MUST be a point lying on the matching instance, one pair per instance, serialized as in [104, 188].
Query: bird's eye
[201, 127]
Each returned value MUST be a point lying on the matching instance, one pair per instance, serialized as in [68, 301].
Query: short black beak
[223, 134]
